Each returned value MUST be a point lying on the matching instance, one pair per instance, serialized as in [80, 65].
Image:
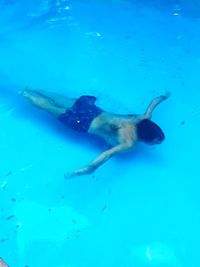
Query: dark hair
[149, 132]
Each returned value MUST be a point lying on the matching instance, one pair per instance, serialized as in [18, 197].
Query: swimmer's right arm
[102, 158]
[126, 137]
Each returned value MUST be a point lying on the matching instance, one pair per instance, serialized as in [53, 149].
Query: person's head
[149, 132]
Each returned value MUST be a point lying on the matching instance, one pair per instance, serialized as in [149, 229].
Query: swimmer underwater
[122, 132]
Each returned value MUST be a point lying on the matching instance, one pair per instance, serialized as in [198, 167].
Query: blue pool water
[139, 209]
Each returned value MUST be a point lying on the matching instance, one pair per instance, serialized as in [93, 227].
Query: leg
[59, 100]
[44, 103]
[154, 103]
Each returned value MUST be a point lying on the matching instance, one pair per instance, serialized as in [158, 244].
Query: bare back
[114, 128]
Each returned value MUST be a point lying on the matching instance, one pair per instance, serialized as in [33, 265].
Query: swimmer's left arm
[102, 158]
[154, 103]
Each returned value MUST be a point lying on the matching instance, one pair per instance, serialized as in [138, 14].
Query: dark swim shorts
[81, 114]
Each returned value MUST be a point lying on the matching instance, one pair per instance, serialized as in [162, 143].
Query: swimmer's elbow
[128, 145]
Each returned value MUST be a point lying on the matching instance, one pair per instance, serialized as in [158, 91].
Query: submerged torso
[108, 126]
[84, 116]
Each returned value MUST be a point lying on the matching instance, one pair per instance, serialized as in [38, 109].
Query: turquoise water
[139, 209]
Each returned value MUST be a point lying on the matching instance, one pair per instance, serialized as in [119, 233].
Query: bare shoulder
[108, 120]
[114, 128]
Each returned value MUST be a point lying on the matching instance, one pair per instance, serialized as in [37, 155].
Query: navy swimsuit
[81, 114]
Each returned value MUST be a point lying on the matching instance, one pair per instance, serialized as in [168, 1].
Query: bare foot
[27, 92]
[24, 92]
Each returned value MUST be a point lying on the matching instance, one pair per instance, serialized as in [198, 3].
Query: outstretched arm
[103, 157]
[154, 103]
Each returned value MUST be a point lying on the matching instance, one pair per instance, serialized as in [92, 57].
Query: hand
[69, 175]
[166, 94]
[83, 171]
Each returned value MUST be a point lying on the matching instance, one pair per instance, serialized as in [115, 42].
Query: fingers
[161, 98]
[166, 95]
[73, 174]
[69, 176]
[79, 172]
